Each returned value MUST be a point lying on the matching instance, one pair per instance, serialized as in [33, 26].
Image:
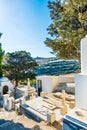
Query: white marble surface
[84, 55]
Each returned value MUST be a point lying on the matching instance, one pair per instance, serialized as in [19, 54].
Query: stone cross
[28, 83]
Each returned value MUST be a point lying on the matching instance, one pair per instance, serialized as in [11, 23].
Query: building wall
[49, 83]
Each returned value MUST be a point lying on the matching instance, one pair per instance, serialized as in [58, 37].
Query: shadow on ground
[10, 125]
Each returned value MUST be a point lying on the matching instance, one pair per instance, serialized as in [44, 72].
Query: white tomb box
[76, 119]
[22, 101]
[5, 98]
[51, 117]
[26, 91]
[10, 103]
[81, 91]
[81, 79]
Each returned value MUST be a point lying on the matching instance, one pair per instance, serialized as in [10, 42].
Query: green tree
[69, 26]
[19, 65]
[1, 58]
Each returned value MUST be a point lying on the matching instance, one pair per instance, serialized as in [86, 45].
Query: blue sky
[23, 24]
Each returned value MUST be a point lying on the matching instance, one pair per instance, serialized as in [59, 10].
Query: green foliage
[69, 26]
[1, 58]
[17, 111]
[24, 82]
[33, 82]
[20, 66]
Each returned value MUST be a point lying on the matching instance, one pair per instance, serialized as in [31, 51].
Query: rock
[70, 88]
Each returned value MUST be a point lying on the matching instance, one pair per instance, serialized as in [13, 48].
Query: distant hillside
[53, 66]
[42, 60]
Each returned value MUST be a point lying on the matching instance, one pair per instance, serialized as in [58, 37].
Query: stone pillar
[84, 55]
[64, 108]
[63, 97]
[28, 83]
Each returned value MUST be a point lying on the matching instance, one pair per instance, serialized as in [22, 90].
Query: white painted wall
[66, 78]
[55, 82]
[81, 91]
[49, 83]
[84, 55]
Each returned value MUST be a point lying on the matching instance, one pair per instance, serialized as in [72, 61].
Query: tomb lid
[3, 79]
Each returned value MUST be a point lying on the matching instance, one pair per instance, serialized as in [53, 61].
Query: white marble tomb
[5, 86]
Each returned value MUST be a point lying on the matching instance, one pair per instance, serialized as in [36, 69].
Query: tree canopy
[19, 65]
[69, 26]
[1, 58]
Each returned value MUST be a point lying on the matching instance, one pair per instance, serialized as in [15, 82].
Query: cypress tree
[69, 26]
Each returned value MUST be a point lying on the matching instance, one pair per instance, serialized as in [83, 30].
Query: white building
[47, 83]
[5, 86]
